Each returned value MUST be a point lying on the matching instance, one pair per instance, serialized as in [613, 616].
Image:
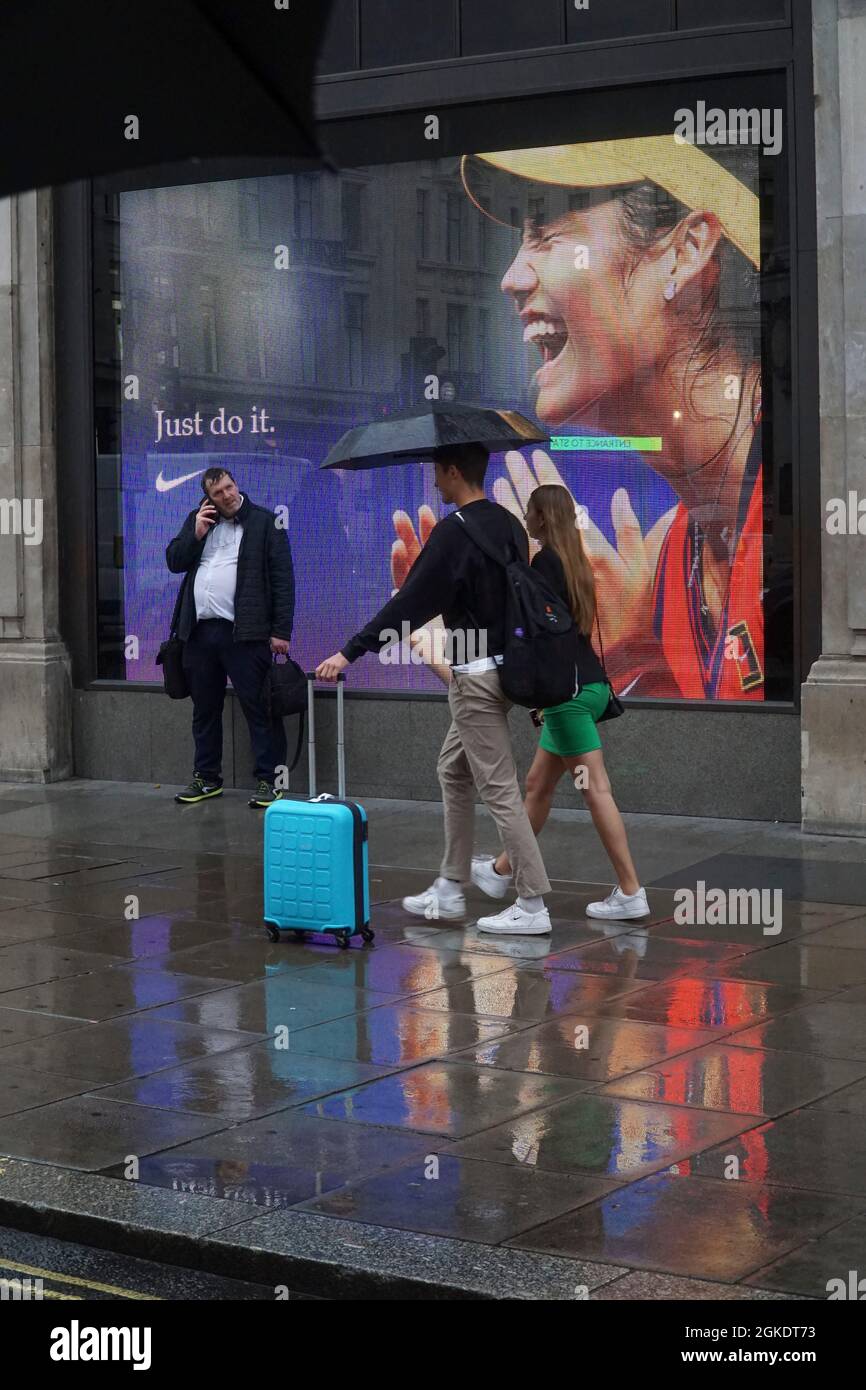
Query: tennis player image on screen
[617, 283]
[611, 291]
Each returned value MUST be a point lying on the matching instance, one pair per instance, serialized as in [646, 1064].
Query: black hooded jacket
[265, 589]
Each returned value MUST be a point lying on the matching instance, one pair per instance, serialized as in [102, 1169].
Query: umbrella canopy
[413, 435]
[203, 79]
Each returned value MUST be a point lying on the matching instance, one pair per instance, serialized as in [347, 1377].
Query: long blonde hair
[556, 505]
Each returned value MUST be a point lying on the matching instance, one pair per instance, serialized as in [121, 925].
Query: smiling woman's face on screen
[596, 325]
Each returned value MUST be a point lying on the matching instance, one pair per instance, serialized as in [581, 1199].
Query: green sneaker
[199, 789]
[265, 795]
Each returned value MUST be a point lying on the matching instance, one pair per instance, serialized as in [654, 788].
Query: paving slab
[678, 1225]
[578, 1096]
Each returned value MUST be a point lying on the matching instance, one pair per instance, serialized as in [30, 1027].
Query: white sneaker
[516, 921]
[621, 906]
[485, 877]
[440, 901]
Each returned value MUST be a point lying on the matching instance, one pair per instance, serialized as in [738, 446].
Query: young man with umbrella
[454, 577]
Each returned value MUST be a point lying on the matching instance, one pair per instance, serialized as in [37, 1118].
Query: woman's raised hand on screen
[523, 478]
[426, 641]
[624, 573]
[407, 547]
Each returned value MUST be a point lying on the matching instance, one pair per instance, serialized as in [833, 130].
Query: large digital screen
[610, 291]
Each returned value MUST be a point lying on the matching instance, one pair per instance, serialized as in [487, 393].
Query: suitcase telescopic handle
[311, 734]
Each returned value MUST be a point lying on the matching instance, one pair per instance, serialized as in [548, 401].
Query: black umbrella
[413, 435]
[203, 79]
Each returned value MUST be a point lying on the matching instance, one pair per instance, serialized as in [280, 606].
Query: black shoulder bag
[170, 655]
[615, 706]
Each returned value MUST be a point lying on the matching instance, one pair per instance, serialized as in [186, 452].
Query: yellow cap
[685, 171]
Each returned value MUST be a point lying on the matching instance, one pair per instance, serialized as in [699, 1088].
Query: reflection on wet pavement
[583, 1094]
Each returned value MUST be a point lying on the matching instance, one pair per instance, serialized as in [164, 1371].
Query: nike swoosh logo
[166, 484]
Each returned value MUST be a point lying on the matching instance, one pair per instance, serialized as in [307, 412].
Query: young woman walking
[569, 737]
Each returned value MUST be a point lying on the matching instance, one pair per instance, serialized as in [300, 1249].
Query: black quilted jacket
[265, 590]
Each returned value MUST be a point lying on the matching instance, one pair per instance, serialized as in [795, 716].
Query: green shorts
[569, 729]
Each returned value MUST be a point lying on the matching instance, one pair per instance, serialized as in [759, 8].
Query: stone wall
[834, 695]
[35, 687]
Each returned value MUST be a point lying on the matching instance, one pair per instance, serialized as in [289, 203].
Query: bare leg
[605, 816]
[541, 783]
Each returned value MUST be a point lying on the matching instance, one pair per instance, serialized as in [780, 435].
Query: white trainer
[516, 921]
[620, 906]
[440, 901]
[486, 877]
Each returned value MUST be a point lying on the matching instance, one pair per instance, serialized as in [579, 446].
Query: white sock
[531, 904]
[447, 887]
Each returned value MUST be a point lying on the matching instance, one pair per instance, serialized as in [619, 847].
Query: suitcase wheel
[344, 937]
[367, 934]
[273, 933]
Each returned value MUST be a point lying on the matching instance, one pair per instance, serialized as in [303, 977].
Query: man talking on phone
[236, 608]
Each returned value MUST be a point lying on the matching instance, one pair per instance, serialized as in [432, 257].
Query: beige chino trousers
[477, 753]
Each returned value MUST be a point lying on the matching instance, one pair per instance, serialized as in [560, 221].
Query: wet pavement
[654, 1112]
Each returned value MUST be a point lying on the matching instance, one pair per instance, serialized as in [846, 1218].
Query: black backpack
[539, 661]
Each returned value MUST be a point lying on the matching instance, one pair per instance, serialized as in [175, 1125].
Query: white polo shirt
[217, 574]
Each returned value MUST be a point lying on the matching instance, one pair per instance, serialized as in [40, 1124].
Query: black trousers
[209, 657]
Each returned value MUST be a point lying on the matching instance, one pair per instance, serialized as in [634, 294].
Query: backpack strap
[481, 541]
[175, 617]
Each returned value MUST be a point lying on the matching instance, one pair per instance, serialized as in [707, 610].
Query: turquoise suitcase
[317, 877]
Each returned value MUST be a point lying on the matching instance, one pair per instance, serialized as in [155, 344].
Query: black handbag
[615, 706]
[286, 694]
[170, 657]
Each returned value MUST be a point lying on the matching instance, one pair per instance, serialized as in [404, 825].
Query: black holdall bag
[285, 694]
[540, 655]
[170, 656]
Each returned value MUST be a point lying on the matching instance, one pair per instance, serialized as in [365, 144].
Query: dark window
[697, 14]
[210, 357]
[353, 226]
[162, 322]
[337, 53]
[307, 342]
[355, 312]
[622, 19]
[457, 343]
[204, 207]
[254, 336]
[415, 31]
[251, 211]
[483, 233]
[483, 344]
[454, 228]
[421, 210]
[304, 219]
[510, 24]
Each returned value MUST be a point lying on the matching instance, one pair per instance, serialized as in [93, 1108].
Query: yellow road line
[81, 1283]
